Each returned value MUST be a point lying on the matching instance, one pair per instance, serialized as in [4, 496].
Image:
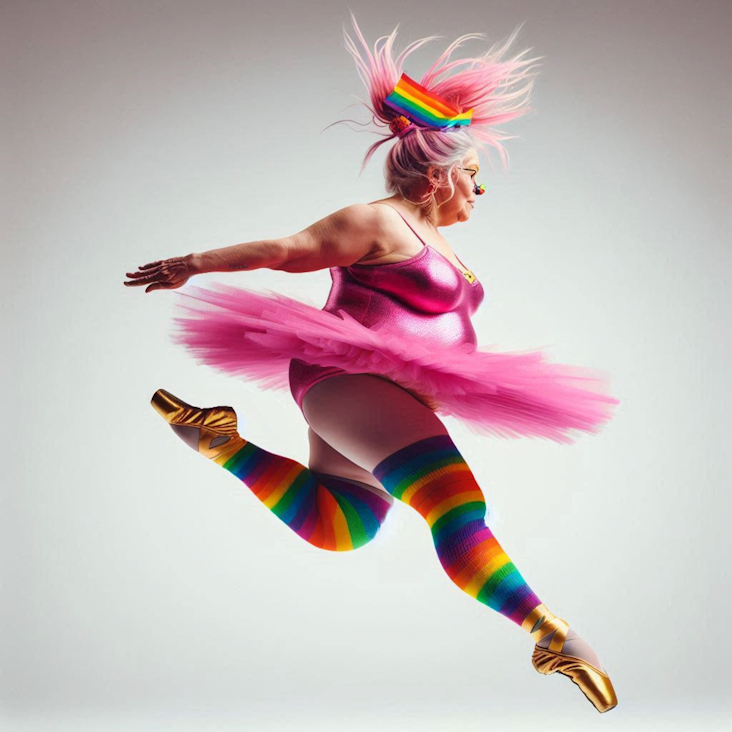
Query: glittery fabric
[424, 297]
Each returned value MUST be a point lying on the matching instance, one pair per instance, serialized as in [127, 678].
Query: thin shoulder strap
[424, 243]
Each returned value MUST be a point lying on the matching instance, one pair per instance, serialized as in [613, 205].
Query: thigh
[366, 418]
[326, 460]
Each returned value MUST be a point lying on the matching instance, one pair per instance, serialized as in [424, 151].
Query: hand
[165, 274]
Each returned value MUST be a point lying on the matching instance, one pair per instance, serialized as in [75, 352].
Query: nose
[479, 189]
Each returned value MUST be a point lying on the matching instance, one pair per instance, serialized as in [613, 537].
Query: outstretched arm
[338, 240]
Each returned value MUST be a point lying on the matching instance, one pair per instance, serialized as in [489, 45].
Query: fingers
[146, 278]
[162, 274]
[148, 269]
[145, 272]
[148, 272]
[145, 281]
[156, 286]
[153, 283]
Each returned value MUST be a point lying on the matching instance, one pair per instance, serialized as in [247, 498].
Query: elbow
[295, 254]
[280, 254]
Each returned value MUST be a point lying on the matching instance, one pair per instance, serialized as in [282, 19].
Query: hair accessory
[401, 125]
[425, 107]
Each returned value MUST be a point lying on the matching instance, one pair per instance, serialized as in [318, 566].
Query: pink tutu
[255, 336]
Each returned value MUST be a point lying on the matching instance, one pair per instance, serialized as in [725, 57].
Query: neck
[426, 215]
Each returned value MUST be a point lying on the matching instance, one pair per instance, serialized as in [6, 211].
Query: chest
[427, 283]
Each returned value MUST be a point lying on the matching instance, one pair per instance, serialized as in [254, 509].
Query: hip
[303, 376]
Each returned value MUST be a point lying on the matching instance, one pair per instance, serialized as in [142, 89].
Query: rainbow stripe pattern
[425, 107]
[328, 512]
[432, 477]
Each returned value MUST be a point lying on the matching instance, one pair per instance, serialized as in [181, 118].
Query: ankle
[542, 623]
[223, 452]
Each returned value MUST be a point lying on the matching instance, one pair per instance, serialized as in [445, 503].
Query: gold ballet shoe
[594, 683]
[212, 432]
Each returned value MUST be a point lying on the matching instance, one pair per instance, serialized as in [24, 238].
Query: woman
[391, 349]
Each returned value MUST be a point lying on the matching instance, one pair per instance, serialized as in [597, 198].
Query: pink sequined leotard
[425, 296]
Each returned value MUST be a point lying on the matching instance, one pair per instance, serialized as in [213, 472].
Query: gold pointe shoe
[594, 683]
[212, 432]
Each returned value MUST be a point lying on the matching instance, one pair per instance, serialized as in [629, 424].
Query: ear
[434, 173]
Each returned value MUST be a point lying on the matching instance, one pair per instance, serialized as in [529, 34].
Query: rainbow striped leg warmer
[329, 512]
[432, 477]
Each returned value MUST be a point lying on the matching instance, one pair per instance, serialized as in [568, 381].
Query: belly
[435, 330]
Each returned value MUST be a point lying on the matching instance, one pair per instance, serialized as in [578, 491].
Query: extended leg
[384, 429]
[329, 511]
[403, 443]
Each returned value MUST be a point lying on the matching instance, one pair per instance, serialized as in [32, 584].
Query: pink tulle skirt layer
[254, 336]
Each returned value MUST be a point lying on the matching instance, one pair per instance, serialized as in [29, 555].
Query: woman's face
[460, 206]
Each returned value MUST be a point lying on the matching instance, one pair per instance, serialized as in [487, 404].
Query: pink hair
[497, 88]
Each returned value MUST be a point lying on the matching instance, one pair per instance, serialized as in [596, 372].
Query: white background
[145, 588]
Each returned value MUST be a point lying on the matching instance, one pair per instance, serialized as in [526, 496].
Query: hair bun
[401, 125]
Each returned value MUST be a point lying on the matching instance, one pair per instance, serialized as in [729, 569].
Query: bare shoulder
[371, 225]
[360, 233]
[376, 217]
[394, 240]
[339, 239]
[356, 221]
[365, 228]
[361, 214]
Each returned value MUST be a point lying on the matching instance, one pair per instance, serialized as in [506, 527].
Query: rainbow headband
[423, 106]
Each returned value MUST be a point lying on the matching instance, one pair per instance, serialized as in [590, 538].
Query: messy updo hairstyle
[494, 85]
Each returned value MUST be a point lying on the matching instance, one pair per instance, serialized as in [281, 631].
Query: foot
[574, 646]
[212, 432]
[559, 649]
